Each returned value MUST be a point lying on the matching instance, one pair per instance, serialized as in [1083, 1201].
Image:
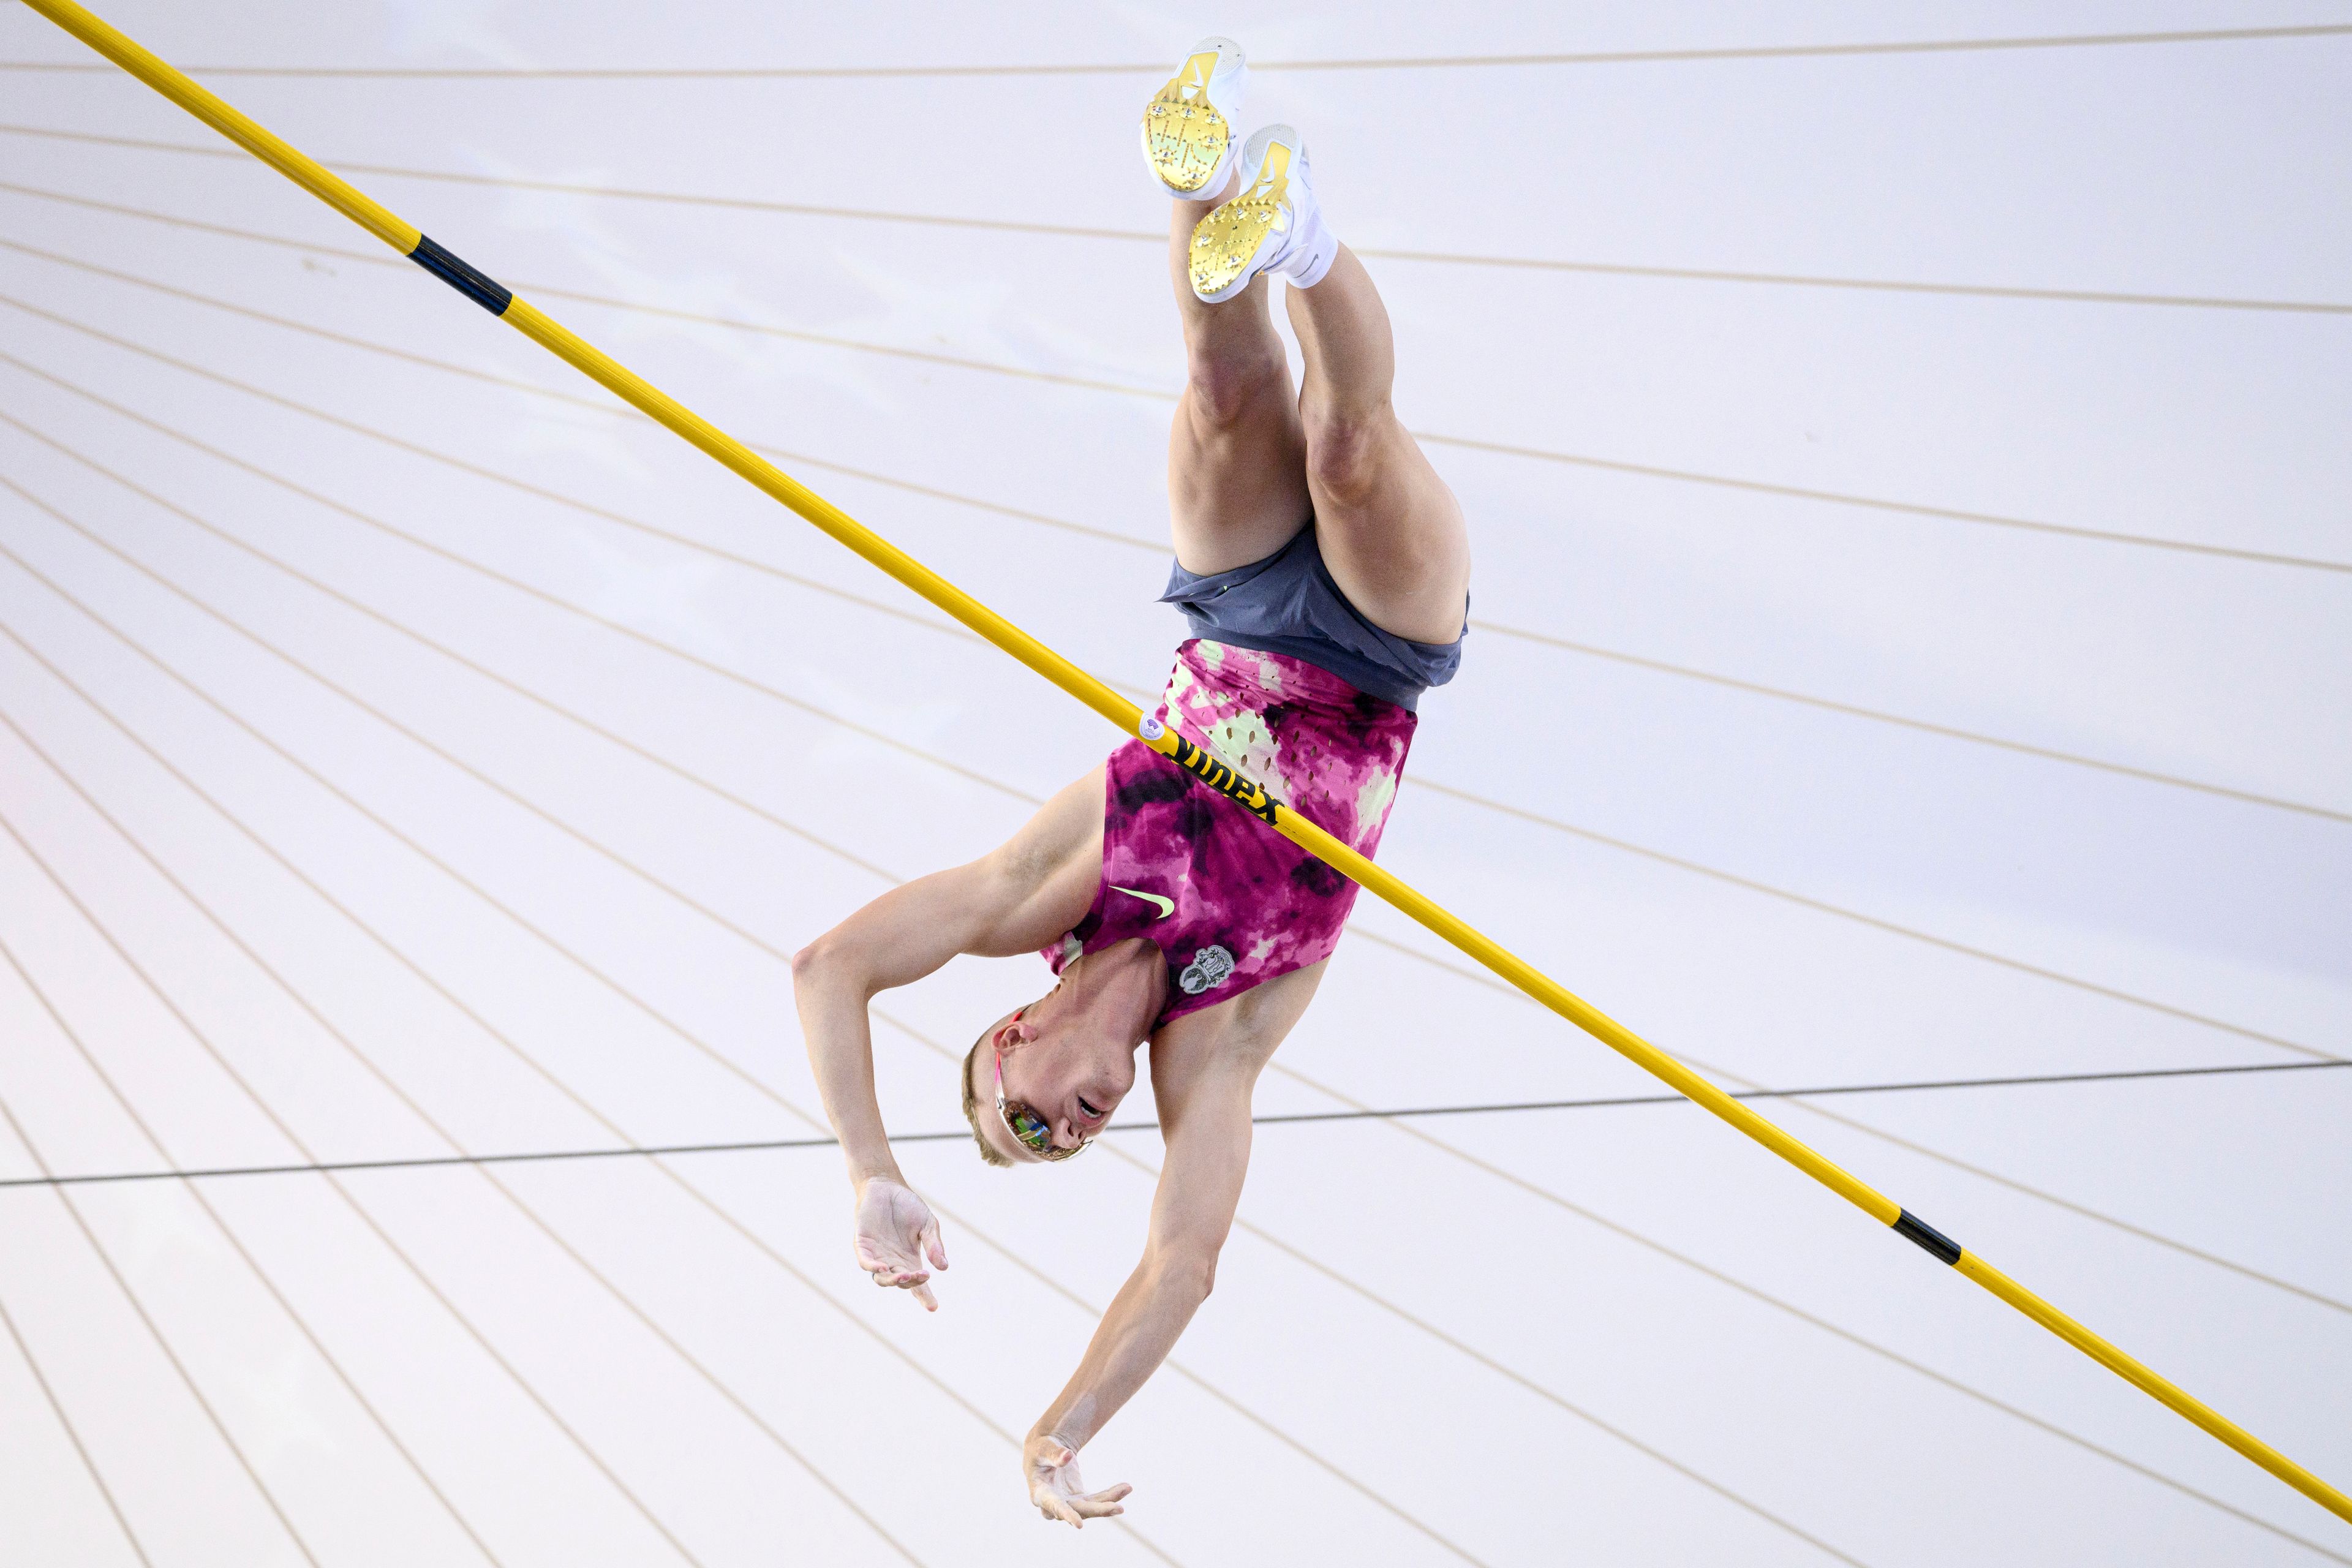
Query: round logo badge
[1210, 966]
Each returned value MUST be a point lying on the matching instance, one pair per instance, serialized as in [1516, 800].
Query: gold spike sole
[1185, 136]
[1225, 242]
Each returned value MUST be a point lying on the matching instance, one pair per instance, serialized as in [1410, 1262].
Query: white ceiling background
[405, 752]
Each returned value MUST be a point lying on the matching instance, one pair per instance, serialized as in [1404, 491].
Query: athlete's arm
[1204, 1068]
[1005, 902]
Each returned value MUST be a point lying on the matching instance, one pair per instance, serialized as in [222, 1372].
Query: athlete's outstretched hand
[895, 1231]
[1053, 1484]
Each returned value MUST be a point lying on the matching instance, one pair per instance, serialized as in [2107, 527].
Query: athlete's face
[1060, 1061]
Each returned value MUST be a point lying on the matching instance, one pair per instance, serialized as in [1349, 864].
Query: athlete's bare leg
[1237, 456]
[1389, 528]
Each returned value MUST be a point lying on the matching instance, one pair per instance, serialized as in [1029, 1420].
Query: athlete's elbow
[818, 963]
[1187, 1270]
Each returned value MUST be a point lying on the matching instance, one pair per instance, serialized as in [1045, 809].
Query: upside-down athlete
[1324, 569]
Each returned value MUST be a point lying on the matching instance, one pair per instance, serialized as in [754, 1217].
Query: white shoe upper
[1306, 247]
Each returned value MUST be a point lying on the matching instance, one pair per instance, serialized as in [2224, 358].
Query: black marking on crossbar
[1912, 1228]
[453, 269]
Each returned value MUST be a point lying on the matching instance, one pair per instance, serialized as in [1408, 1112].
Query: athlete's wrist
[1070, 1423]
[1044, 1443]
[863, 1173]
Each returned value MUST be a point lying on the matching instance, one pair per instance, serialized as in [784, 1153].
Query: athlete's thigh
[1236, 485]
[1393, 537]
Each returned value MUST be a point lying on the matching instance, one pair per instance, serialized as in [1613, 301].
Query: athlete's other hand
[1053, 1485]
[896, 1232]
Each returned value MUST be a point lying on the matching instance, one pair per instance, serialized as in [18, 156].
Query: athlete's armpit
[1042, 880]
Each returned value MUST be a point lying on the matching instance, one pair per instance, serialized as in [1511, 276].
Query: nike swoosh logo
[1167, 905]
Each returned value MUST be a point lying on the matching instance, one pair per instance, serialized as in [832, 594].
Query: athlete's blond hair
[971, 1104]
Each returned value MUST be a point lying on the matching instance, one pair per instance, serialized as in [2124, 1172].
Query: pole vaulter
[1203, 768]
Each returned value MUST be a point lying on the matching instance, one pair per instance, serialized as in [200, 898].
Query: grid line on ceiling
[1384, 252]
[1518, 59]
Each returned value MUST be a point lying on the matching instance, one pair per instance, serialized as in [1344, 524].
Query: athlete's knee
[1224, 390]
[1347, 450]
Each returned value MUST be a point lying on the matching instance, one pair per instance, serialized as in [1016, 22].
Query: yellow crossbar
[608, 372]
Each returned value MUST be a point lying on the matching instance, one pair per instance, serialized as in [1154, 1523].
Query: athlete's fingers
[909, 1279]
[931, 1245]
[875, 1257]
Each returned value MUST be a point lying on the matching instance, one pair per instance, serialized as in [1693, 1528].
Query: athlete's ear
[1016, 1031]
